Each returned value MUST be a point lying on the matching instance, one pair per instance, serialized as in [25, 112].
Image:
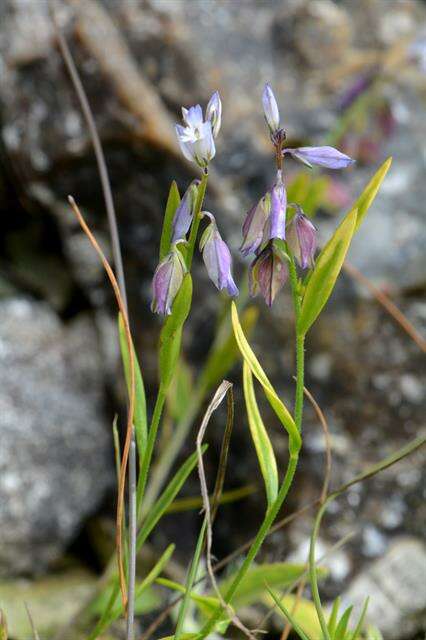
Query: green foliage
[166, 498]
[277, 405]
[366, 198]
[173, 201]
[327, 268]
[139, 417]
[171, 333]
[264, 450]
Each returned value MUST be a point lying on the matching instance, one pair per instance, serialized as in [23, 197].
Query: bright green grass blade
[173, 201]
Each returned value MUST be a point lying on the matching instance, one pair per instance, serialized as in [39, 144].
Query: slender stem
[152, 435]
[197, 219]
[132, 536]
[270, 516]
[300, 346]
[313, 571]
[192, 574]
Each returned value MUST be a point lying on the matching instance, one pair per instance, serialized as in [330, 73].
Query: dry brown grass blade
[129, 430]
[30, 618]
[387, 304]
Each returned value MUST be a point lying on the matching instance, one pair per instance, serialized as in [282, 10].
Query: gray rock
[56, 455]
[397, 589]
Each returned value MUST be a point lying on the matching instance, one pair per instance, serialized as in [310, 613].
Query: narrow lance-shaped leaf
[139, 417]
[288, 615]
[166, 234]
[332, 621]
[264, 450]
[366, 198]
[171, 334]
[327, 268]
[342, 626]
[277, 405]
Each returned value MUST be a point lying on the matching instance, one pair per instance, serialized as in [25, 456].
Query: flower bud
[254, 226]
[277, 216]
[328, 157]
[217, 258]
[302, 239]
[268, 273]
[185, 212]
[214, 113]
[167, 280]
[270, 109]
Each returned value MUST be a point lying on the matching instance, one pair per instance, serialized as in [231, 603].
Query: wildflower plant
[283, 247]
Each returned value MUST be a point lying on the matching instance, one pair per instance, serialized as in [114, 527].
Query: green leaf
[166, 234]
[288, 615]
[252, 586]
[326, 271]
[171, 333]
[279, 408]
[302, 611]
[180, 391]
[332, 621]
[373, 633]
[343, 625]
[355, 635]
[224, 351]
[167, 497]
[264, 450]
[367, 196]
[139, 418]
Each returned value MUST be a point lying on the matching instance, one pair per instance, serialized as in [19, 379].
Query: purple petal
[193, 117]
[184, 213]
[328, 157]
[185, 147]
[270, 108]
[218, 261]
[278, 212]
[253, 227]
[268, 274]
[214, 112]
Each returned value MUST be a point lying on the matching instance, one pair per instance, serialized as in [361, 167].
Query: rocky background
[140, 60]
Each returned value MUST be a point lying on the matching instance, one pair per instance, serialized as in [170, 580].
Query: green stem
[313, 571]
[152, 435]
[300, 346]
[192, 574]
[267, 523]
[196, 220]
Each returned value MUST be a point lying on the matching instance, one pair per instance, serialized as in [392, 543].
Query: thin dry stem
[129, 430]
[288, 627]
[326, 430]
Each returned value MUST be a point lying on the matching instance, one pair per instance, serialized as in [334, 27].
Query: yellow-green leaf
[367, 196]
[277, 405]
[166, 234]
[326, 271]
[139, 417]
[303, 612]
[264, 450]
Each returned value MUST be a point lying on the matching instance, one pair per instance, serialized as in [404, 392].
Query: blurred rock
[56, 454]
[396, 586]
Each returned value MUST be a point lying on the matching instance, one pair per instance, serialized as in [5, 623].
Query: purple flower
[217, 258]
[167, 280]
[270, 109]
[266, 220]
[322, 156]
[254, 225]
[184, 213]
[301, 238]
[268, 273]
[196, 138]
[214, 112]
[278, 207]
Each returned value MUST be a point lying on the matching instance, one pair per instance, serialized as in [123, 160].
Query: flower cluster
[266, 223]
[267, 234]
[196, 140]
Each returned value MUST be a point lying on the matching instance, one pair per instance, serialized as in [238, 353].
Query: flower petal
[328, 157]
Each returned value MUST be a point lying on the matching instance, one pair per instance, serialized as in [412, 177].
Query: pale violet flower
[302, 238]
[196, 138]
[185, 212]
[328, 157]
[167, 281]
[266, 220]
[268, 273]
[214, 113]
[270, 109]
[217, 258]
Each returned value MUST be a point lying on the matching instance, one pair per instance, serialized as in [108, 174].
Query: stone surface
[397, 589]
[56, 453]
